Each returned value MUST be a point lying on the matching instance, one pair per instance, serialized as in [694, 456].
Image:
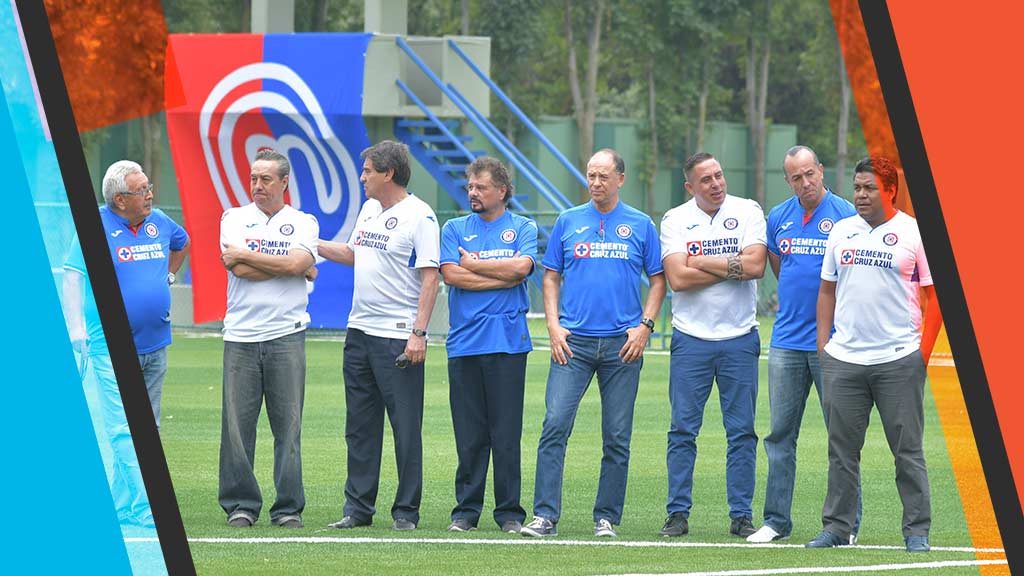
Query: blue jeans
[618, 384]
[154, 368]
[790, 376]
[694, 366]
[274, 371]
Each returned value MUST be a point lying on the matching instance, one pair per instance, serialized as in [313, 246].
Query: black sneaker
[461, 525]
[539, 528]
[826, 539]
[293, 521]
[511, 526]
[675, 525]
[742, 527]
[917, 544]
[349, 522]
[241, 520]
[403, 525]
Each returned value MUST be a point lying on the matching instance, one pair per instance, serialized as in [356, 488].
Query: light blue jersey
[600, 257]
[488, 321]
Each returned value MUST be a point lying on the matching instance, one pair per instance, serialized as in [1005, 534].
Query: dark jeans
[897, 389]
[373, 385]
[275, 370]
[486, 397]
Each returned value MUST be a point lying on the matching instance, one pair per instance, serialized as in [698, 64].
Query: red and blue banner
[227, 96]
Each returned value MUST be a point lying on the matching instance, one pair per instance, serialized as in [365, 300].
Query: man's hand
[416, 349]
[560, 351]
[636, 341]
[467, 259]
[311, 273]
[232, 255]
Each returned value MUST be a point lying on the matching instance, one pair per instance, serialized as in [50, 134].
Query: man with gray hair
[269, 250]
[147, 249]
[394, 249]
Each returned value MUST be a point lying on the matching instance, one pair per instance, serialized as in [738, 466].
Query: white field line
[538, 542]
[841, 569]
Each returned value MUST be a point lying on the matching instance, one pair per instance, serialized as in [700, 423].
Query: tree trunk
[318, 16]
[762, 129]
[702, 101]
[842, 133]
[585, 103]
[151, 137]
[758, 58]
[652, 115]
[465, 17]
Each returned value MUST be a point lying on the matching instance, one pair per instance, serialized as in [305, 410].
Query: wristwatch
[171, 278]
[649, 323]
[419, 332]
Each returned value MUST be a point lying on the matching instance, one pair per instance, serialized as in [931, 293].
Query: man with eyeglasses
[485, 259]
[147, 248]
[595, 256]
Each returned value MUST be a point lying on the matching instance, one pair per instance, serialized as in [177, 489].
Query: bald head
[805, 176]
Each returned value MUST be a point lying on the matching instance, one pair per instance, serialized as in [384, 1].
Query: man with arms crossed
[395, 251]
[485, 259]
[713, 250]
[871, 282]
[797, 232]
[600, 249]
[269, 250]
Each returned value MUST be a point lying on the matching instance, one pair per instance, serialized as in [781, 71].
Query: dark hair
[692, 161]
[499, 174]
[884, 170]
[801, 148]
[620, 164]
[390, 155]
[284, 167]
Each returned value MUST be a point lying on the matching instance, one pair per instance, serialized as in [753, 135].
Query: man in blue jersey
[147, 249]
[713, 250]
[485, 259]
[593, 263]
[798, 231]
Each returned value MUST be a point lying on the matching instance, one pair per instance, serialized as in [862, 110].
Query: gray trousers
[275, 370]
[897, 389]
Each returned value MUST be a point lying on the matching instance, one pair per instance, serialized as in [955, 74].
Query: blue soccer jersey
[600, 257]
[140, 259]
[488, 321]
[800, 247]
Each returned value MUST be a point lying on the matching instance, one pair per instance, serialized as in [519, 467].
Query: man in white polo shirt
[713, 249]
[395, 249]
[872, 276]
[268, 248]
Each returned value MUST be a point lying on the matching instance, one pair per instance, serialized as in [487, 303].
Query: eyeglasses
[142, 192]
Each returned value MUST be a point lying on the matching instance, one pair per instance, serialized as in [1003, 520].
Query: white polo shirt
[878, 273]
[727, 309]
[390, 246]
[263, 310]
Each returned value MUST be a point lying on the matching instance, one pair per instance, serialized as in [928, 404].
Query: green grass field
[191, 431]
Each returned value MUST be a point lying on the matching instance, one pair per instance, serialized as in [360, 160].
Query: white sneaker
[604, 528]
[764, 535]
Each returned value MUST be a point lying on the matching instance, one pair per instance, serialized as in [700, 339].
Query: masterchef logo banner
[229, 96]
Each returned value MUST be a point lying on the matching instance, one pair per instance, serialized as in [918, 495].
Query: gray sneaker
[403, 525]
[241, 520]
[675, 525]
[604, 529]
[293, 521]
[539, 528]
[511, 526]
[461, 525]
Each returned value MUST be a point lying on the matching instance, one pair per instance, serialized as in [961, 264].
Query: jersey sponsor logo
[116, 233]
[623, 231]
[494, 254]
[151, 230]
[890, 239]
[848, 236]
[693, 248]
[582, 229]
[287, 229]
[825, 226]
[692, 226]
[786, 225]
[271, 247]
[391, 223]
[714, 247]
[508, 235]
[731, 223]
[865, 257]
[140, 252]
[252, 225]
[784, 246]
[606, 250]
[469, 238]
[372, 240]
